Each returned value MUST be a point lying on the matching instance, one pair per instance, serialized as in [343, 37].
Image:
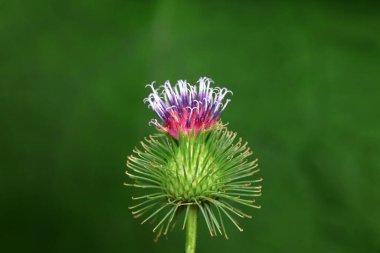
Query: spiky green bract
[210, 170]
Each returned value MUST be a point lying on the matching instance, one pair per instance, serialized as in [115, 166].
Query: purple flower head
[187, 108]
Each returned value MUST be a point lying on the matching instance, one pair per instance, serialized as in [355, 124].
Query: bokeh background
[306, 82]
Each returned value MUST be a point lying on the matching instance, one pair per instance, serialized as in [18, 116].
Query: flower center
[192, 173]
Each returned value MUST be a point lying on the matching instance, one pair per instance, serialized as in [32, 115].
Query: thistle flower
[186, 108]
[193, 164]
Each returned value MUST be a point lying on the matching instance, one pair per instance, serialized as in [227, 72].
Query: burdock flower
[193, 164]
[187, 108]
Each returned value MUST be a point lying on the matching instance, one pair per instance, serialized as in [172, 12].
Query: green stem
[191, 230]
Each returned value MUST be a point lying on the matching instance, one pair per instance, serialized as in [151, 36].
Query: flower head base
[210, 171]
[187, 108]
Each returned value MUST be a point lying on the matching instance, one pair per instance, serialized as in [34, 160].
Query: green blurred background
[306, 82]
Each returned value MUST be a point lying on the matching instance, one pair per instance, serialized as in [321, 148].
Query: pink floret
[187, 108]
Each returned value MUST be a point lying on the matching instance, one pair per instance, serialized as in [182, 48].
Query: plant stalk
[191, 230]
